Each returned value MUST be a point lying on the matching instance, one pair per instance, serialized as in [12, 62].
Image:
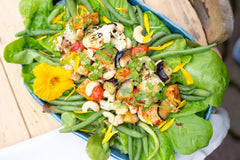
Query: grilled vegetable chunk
[84, 21]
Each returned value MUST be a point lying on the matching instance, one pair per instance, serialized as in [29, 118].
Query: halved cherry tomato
[139, 49]
[76, 46]
[130, 100]
[97, 93]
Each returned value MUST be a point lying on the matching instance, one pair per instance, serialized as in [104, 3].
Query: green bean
[139, 149]
[182, 52]
[87, 5]
[164, 40]
[144, 142]
[129, 131]
[155, 138]
[140, 16]
[197, 92]
[192, 98]
[72, 7]
[81, 80]
[83, 124]
[67, 10]
[185, 88]
[54, 13]
[130, 144]
[132, 15]
[70, 108]
[37, 32]
[71, 98]
[156, 37]
[116, 14]
[66, 103]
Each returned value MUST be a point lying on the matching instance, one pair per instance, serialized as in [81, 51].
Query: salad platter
[140, 79]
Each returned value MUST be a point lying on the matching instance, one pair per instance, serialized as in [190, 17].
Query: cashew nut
[90, 86]
[128, 43]
[110, 116]
[92, 105]
[108, 75]
[75, 76]
[137, 35]
[124, 61]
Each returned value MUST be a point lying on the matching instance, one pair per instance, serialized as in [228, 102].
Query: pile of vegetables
[198, 75]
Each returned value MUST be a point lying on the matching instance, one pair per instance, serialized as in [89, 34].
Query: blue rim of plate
[174, 29]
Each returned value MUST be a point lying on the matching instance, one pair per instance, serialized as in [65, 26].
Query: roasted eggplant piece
[122, 58]
[114, 81]
[163, 71]
[125, 90]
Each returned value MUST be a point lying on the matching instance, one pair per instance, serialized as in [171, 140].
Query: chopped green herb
[150, 85]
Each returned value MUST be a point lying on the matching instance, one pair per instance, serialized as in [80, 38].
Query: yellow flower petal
[162, 47]
[41, 38]
[182, 104]
[87, 131]
[160, 125]
[148, 120]
[74, 89]
[76, 63]
[56, 19]
[102, 4]
[187, 76]
[178, 67]
[51, 81]
[167, 125]
[176, 100]
[106, 20]
[83, 8]
[102, 131]
[81, 112]
[147, 37]
[109, 134]
[122, 10]
[45, 53]
[146, 22]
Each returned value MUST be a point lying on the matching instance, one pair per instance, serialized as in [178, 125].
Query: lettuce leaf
[193, 135]
[23, 51]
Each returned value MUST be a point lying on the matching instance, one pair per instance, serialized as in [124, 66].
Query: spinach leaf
[28, 75]
[95, 148]
[35, 13]
[194, 134]
[191, 108]
[22, 51]
[210, 73]
[156, 24]
[68, 119]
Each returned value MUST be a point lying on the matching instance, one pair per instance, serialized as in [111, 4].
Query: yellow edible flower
[122, 10]
[187, 76]
[56, 19]
[45, 53]
[76, 63]
[146, 22]
[182, 104]
[109, 134]
[106, 20]
[51, 82]
[87, 131]
[161, 124]
[102, 4]
[81, 112]
[147, 37]
[41, 38]
[178, 67]
[162, 47]
[74, 89]
[83, 8]
[167, 125]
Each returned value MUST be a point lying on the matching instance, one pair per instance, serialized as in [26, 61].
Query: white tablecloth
[57, 146]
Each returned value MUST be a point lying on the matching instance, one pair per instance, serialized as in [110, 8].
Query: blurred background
[230, 49]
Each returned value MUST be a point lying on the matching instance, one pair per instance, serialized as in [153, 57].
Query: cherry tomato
[97, 93]
[139, 49]
[76, 46]
[130, 100]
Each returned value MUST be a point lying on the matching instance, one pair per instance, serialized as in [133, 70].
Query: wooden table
[21, 117]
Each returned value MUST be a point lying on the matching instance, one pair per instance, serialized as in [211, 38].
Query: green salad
[119, 74]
